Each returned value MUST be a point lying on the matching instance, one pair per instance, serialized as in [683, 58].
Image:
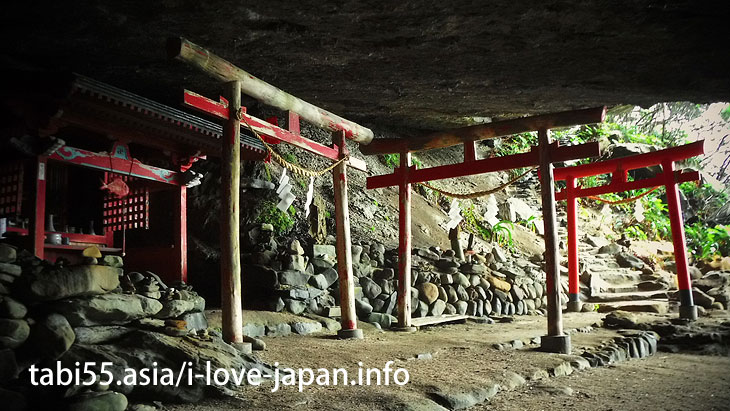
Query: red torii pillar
[619, 169]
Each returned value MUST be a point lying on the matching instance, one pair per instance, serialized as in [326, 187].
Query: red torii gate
[230, 109]
[619, 169]
[543, 155]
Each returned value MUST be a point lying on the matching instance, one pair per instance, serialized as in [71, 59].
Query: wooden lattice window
[131, 211]
[11, 188]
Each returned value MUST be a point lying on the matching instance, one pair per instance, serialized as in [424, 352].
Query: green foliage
[725, 113]
[706, 242]
[282, 222]
[531, 223]
[501, 233]
[636, 232]
[291, 158]
[393, 160]
[518, 143]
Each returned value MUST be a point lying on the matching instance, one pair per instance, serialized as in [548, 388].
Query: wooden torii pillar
[619, 169]
[230, 110]
[543, 156]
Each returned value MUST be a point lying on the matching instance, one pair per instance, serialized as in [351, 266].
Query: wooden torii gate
[543, 155]
[619, 169]
[229, 109]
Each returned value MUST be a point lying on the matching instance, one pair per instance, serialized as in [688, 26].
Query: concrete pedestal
[559, 344]
[350, 334]
[574, 306]
[688, 312]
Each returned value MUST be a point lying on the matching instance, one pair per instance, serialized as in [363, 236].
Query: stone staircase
[606, 283]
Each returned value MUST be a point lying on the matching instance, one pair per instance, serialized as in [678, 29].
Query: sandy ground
[463, 357]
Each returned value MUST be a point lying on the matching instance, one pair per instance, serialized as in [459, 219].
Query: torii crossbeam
[543, 155]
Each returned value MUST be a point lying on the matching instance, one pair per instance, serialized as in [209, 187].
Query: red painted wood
[632, 162]
[292, 123]
[38, 221]
[181, 235]
[470, 151]
[678, 237]
[616, 187]
[486, 165]
[220, 110]
[107, 162]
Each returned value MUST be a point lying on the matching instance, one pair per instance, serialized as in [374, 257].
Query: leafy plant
[706, 242]
[281, 221]
[636, 232]
[393, 160]
[531, 223]
[502, 233]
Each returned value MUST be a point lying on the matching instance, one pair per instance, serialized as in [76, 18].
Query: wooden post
[555, 341]
[574, 303]
[404, 245]
[230, 239]
[39, 218]
[687, 308]
[181, 233]
[344, 245]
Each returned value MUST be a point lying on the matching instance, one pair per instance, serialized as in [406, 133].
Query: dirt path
[463, 358]
[661, 382]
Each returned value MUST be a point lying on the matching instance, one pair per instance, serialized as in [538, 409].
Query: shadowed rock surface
[414, 64]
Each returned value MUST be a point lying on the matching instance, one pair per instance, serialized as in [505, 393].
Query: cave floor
[464, 357]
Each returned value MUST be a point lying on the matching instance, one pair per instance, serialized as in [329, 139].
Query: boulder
[294, 278]
[461, 307]
[437, 308]
[8, 253]
[140, 349]
[370, 288]
[295, 307]
[612, 248]
[499, 284]
[10, 308]
[107, 309]
[319, 281]
[74, 281]
[330, 274]
[51, 337]
[306, 327]
[462, 280]
[428, 292]
[363, 308]
[176, 308]
[13, 333]
[100, 334]
[10, 269]
[113, 261]
[383, 274]
[626, 260]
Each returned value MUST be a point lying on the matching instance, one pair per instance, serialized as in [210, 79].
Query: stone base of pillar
[355, 334]
[574, 306]
[688, 312]
[555, 343]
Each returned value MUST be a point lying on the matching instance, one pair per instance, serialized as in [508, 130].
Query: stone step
[628, 296]
[647, 306]
[619, 278]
